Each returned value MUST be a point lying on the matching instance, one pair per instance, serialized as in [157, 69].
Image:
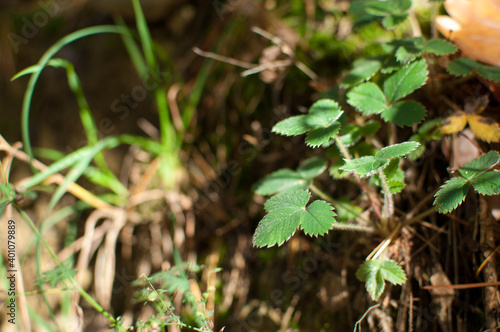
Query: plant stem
[388, 212]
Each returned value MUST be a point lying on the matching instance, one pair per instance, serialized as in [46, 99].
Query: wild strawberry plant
[379, 89]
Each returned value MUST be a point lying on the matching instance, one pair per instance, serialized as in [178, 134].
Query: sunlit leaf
[367, 98]
[487, 183]
[318, 218]
[286, 212]
[480, 165]
[282, 219]
[397, 150]
[375, 272]
[451, 195]
[365, 166]
[439, 47]
[406, 80]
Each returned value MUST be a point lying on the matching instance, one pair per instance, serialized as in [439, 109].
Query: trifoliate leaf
[396, 150]
[404, 113]
[392, 272]
[318, 219]
[365, 166]
[406, 80]
[374, 273]
[286, 212]
[281, 180]
[282, 219]
[367, 98]
[370, 273]
[363, 69]
[323, 114]
[451, 194]
[312, 167]
[480, 165]
[487, 183]
[439, 47]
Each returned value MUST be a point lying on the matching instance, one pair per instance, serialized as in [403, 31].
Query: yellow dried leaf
[484, 128]
[454, 123]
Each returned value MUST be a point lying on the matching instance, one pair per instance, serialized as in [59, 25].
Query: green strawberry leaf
[292, 126]
[451, 194]
[392, 272]
[462, 66]
[396, 150]
[487, 183]
[282, 219]
[466, 66]
[286, 212]
[395, 186]
[439, 47]
[404, 113]
[367, 98]
[281, 180]
[480, 165]
[323, 115]
[329, 106]
[489, 72]
[320, 136]
[318, 218]
[375, 272]
[406, 80]
[365, 166]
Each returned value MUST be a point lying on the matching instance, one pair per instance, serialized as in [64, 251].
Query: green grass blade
[133, 50]
[195, 95]
[167, 131]
[72, 159]
[41, 65]
[73, 175]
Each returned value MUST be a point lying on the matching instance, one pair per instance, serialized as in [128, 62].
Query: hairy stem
[388, 211]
